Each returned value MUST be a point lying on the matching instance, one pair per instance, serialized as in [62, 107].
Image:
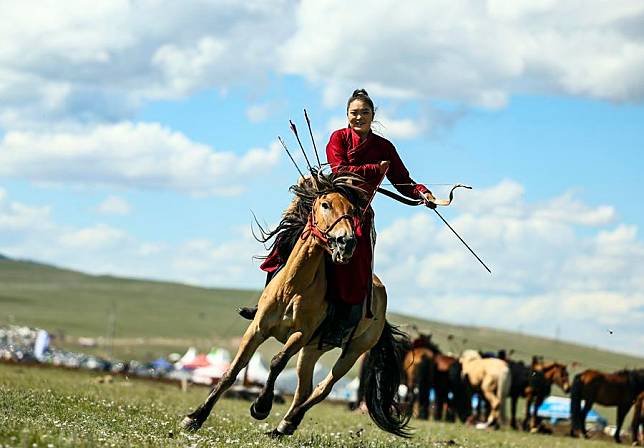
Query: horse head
[558, 374]
[332, 221]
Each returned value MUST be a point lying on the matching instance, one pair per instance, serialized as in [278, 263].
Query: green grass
[47, 407]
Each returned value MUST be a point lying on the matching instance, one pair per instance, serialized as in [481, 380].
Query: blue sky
[136, 139]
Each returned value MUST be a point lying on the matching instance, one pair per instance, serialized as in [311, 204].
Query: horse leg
[582, 418]
[513, 411]
[424, 381]
[305, 368]
[622, 410]
[487, 387]
[261, 407]
[536, 422]
[294, 417]
[251, 340]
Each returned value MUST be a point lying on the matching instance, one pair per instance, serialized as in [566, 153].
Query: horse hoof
[274, 434]
[256, 414]
[190, 424]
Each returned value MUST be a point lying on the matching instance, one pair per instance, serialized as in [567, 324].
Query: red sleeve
[399, 176]
[336, 155]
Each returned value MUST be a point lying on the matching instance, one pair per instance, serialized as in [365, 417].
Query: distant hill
[152, 318]
[2, 257]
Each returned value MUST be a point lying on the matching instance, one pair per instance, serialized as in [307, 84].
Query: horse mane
[425, 341]
[306, 191]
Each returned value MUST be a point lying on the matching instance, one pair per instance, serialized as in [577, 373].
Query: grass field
[46, 407]
[152, 319]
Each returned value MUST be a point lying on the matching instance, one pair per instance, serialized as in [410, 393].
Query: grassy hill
[150, 318]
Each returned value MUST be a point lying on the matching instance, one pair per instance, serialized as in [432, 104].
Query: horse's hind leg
[488, 388]
[252, 339]
[262, 405]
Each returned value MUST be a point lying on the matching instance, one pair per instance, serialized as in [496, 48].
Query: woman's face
[360, 117]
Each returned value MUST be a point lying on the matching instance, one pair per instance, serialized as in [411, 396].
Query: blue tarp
[558, 408]
[161, 364]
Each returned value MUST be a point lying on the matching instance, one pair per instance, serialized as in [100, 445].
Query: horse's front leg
[309, 355]
[536, 421]
[513, 411]
[622, 410]
[251, 340]
[261, 407]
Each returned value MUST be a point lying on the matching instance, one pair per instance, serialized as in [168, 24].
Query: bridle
[312, 228]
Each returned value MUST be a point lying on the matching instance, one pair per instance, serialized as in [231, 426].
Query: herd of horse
[454, 381]
[319, 228]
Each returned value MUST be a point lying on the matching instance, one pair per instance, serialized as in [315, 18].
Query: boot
[247, 312]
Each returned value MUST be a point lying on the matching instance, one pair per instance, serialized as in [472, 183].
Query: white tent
[187, 358]
[257, 371]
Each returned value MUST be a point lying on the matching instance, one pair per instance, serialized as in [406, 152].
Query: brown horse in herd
[609, 389]
[534, 383]
[426, 368]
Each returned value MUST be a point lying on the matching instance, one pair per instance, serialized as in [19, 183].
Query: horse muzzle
[342, 248]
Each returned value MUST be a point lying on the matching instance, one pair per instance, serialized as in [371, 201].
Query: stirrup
[247, 312]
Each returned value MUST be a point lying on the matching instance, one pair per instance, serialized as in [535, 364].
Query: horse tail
[503, 390]
[575, 402]
[384, 373]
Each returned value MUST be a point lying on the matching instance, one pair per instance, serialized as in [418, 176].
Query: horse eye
[325, 205]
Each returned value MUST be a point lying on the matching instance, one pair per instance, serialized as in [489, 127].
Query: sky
[139, 138]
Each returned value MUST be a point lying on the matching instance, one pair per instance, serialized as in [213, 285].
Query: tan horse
[292, 307]
[492, 377]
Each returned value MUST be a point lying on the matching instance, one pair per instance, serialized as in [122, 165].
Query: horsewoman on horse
[311, 299]
[357, 150]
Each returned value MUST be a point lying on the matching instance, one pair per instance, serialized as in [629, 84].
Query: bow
[442, 202]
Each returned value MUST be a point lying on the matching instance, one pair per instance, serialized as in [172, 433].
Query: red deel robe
[350, 282]
[345, 152]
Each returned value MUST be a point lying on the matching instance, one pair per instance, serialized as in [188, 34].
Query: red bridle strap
[323, 235]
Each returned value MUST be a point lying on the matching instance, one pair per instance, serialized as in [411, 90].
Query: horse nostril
[341, 240]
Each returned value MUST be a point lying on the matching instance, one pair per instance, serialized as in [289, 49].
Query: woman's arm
[399, 176]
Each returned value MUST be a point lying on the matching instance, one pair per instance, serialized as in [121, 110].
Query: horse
[292, 308]
[426, 368]
[534, 383]
[419, 372]
[637, 424]
[492, 377]
[609, 389]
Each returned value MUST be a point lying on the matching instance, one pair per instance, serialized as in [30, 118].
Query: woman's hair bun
[360, 92]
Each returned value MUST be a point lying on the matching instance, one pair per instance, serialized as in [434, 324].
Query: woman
[358, 150]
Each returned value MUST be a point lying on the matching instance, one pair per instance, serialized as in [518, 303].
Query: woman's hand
[430, 200]
[384, 165]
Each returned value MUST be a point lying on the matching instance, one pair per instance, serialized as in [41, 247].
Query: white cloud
[134, 155]
[387, 126]
[104, 249]
[70, 62]
[475, 52]
[17, 217]
[550, 265]
[92, 238]
[113, 205]
[101, 63]
[258, 112]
